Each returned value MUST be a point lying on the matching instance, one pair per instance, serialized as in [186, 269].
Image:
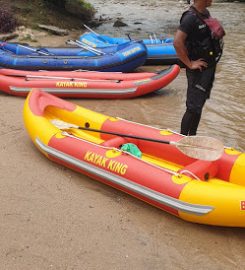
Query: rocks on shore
[21, 32]
[8, 36]
[54, 30]
[119, 23]
[24, 34]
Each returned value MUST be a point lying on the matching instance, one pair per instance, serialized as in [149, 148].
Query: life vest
[217, 33]
[210, 48]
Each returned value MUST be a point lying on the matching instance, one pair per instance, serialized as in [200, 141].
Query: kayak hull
[194, 190]
[159, 51]
[86, 84]
[123, 58]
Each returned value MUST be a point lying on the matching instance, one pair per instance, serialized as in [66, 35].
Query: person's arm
[179, 45]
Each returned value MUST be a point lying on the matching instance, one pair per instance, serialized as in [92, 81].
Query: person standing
[199, 44]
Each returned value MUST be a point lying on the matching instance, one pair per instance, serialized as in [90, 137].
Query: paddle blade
[62, 125]
[201, 147]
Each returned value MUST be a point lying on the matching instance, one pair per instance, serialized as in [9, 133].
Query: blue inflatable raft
[159, 51]
[118, 58]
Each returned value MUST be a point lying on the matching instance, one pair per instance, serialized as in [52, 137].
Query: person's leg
[195, 100]
[198, 91]
[195, 122]
[186, 122]
[189, 123]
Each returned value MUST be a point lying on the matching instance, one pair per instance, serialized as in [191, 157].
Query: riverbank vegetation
[70, 14]
[67, 14]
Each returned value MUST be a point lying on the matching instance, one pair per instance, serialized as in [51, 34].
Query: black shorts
[199, 88]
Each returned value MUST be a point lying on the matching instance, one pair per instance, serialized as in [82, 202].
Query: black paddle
[198, 147]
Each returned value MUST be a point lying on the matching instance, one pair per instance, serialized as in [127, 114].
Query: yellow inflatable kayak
[160, 171]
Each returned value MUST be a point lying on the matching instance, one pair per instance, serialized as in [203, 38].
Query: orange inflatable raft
[86, 84]
[195, 190]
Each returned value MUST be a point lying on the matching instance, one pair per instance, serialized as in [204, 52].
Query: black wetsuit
[199, 44]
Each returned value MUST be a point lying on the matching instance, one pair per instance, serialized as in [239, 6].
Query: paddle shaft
[85, 47]
[34, 50]
[29, 77]
[180, 146]
[91, 30]
[126, 135]
[80, 43]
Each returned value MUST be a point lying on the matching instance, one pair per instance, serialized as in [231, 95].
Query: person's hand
[198, 64]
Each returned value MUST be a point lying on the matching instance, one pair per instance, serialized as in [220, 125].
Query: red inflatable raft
[78, 84]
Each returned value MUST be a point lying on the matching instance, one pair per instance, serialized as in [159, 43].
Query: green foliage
[84, 4]
[63, 3]
[79, 8]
